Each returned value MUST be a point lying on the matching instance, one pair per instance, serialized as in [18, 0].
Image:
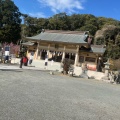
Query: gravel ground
[37, 95]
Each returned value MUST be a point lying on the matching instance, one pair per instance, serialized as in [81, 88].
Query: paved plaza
[31, 94]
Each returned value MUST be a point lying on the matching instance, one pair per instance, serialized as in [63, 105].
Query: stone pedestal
[84, 74]
[107, 67]
[106, 77]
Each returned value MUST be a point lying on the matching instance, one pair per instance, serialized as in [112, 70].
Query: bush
[115, 64]
[66, 65]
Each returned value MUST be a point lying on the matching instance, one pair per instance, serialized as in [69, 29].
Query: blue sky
[48, 8]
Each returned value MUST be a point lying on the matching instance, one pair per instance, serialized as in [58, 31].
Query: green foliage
[109, 36]
[89, 27]
[105, 30]
[10, 22]
[113, 51]
[59, 22]
[106, 21]
[33, 26]
[62, 21]
[76, 21]
[117, 40]
[100, 41]
[66, 65]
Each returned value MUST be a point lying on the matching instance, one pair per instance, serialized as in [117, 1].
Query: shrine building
[59, 45]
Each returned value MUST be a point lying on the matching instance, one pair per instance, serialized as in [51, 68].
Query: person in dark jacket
[21, 62]
[99, 65]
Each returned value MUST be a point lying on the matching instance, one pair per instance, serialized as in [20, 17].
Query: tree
[76, 21]
[117, 41]
[109, 36]
[89, 27]
[59, 22]
[101, 21]
[99, 38]
[33, 26]
[9, 22]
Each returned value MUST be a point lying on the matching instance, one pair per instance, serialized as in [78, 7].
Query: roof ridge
[66, 32]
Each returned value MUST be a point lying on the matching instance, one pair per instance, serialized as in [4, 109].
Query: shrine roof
[61, 36]
[100, 49]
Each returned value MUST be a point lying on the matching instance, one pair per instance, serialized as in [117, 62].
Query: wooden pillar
[63, 55]
[48, 50]
[76, 56]
[27, 53]
[97, 58]
[40, 55]
[36, 57]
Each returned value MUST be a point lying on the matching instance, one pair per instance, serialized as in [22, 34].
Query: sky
[48, 8]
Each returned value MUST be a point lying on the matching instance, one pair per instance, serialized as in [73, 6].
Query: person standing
[21, 62]
[84, 68]
[99, 65]
[46, 62]
[25, 60]
[31, 59]
[7, 53]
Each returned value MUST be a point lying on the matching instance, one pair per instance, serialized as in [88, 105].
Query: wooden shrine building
[58, 45]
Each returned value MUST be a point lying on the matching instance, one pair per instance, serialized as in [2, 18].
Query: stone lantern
[107, 67]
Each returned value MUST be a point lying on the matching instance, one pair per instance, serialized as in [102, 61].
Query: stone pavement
[37, 64]
[55, 66]
[28, 95]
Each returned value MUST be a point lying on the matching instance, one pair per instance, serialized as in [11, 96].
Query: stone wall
[91, 74]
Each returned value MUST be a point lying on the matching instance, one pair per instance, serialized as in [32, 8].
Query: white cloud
[68, 6]
[38, 15]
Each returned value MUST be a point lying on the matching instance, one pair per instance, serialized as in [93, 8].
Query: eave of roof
[28, 44]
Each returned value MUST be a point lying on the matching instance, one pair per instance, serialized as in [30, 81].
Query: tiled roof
[60, 37]
[100, 49]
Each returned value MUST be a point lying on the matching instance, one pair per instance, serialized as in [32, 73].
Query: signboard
[91, 67]
[7, 53]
